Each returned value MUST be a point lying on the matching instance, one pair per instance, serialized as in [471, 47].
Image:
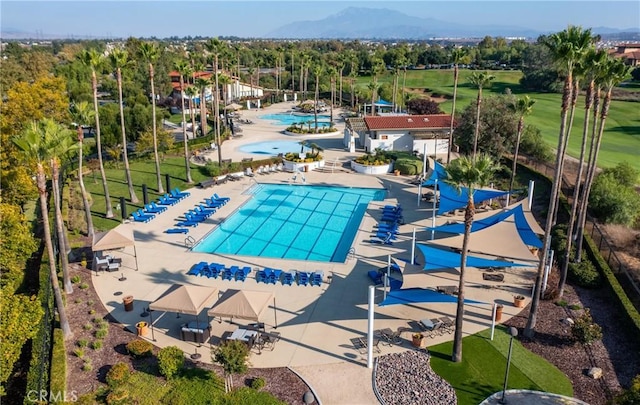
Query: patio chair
[241, 275]
[289, 277]
[303, 278]
[248, 172]
[269, 340]
[188, 223]
[224, 199]
[316, 278]
[387, 240]
[196, 269]
[230, 273]
[261, 276]
[274, 276]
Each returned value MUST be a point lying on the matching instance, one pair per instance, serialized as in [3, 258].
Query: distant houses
[629, 52]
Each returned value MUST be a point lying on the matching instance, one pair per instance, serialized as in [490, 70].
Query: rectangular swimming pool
[299, 222]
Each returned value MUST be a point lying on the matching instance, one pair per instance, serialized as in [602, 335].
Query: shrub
[410, 166]
[87, 326]
[92, 312]
[139, 348]
[119, 396]
[75, 279]
[101, 333]
[612, 201]
[170, 361]
[632, 395]
[96, 344]
[258, 383]
[213, 169]
[87, 366]
[584, 274]
[232, 356]
[78, 352]
[584, 330]
[83, 286]
[82, 342]
[118, 374]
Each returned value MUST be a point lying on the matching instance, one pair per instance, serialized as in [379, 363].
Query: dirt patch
[85, 311]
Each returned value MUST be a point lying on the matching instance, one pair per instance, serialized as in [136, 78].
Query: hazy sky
[257, 18]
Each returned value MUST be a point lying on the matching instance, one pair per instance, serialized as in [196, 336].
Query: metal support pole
[413, 247]
[433, 214]
[370, 327]
[145, 195]
[419, 193]
[493, 319]
[530, 197]
[424, 161]
[513, 332]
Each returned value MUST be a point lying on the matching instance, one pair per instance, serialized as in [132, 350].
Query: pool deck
[316, 323]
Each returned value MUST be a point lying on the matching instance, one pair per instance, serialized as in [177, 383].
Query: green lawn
[621, 140]
[481, 373]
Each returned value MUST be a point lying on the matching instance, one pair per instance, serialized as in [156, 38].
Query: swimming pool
[289, 119]
[298, 222]
[272, 148]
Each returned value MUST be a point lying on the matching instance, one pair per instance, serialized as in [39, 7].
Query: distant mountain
[375, 23]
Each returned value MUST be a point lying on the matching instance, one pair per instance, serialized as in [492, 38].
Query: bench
[207, 183]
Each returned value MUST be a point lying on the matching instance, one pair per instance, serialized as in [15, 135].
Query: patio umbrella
[243, 304]
[233, 106]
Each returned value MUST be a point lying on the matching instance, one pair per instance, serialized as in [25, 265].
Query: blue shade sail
[436, 258]
[421, 295]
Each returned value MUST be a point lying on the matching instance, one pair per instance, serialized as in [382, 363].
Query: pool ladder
[189, 241]
[351, 254]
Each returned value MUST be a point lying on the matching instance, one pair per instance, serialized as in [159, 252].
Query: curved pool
[272, 148]
[289, 119]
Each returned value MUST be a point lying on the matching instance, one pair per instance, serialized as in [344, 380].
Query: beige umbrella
[233, 106]
[116, 238]
[243, 304]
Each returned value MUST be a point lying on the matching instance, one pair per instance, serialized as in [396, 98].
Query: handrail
[189, 241]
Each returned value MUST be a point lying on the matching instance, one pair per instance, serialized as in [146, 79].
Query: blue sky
[256, 18]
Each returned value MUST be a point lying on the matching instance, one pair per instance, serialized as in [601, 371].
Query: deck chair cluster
[215, 270]
[387, 229]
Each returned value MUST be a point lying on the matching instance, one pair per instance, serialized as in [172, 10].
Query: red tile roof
[408, 122]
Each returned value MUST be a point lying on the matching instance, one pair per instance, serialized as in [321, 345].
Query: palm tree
[598, 63]
[614, 71]
[457, 54]
[93, 60]
[192, 92]
[119, 59]
[373, 87]
[566, 49]
[182, 67]
[35, 144]
[82, 115]
[224, 81]
[479, 80]
[317, 71]
[522, 107]
[470, 174]
[150, 53]
[214, 46]
[202, 85]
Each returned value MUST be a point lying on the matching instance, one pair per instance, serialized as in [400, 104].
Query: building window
[384, 137]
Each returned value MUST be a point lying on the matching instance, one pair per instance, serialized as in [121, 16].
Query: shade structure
[500, 240]
[233, 106]
[116, 238]
[413, 275]
[451, 199]
[438, 174]
[437, 258]
[185, 299]
[514, 214]
[421, 295]
[241, 304]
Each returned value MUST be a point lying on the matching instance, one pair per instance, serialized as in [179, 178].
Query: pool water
[272, 148]
[289, 119]
[296, 222]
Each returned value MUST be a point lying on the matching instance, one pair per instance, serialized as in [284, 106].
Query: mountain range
[381, 23]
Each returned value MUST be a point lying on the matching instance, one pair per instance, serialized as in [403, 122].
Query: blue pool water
[289, 119]
[272, 148]
[293, 222]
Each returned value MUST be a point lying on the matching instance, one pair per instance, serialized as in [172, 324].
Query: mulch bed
[83, 306]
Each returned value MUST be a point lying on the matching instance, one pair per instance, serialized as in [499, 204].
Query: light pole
[513, 332]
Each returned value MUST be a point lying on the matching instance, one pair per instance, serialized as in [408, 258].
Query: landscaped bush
[410, 166]
[170, 361]
[380, 158]
[213, 169]
[118, 396]
[232, 355]
[118, 374]
[584, 274]
[584, 330]
[258, 383]
[613, 201]
[139, 348]
[632, 395]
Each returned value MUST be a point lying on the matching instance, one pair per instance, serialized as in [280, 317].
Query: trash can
[142, 328]
[499, 312]
[128, 303]
[306, 168]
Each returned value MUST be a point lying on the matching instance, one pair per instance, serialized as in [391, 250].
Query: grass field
[621, 140]
[481, 372]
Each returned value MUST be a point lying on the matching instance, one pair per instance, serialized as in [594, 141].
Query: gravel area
[407, 378]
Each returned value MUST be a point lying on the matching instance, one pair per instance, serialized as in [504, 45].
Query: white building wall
[440, 146]
[238, 90]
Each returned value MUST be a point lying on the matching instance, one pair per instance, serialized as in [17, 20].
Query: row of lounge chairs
[215, 270]
[267, 169]
[273, 276]
[158, 207]
[200, 212]
[387, 230]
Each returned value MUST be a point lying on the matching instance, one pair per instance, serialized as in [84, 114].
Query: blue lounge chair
[261, 276]
[193, 217]
[242, 274]
[273, 275]
[176, 193]
[177, 230]
[211, 203]
[148, 209]
[167, 200]
[140, 216]
[383, 241]
[217, 197]
[187, 223]
[154, 205]
[198, 268]
[230, 273]
[317, 277]
[303, 278]
[289, 277]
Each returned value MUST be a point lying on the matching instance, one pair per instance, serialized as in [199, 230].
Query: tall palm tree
[214, 46]
[94, 60]
[202, 85]
[457, 54]
[35, 145]
[522, 107]
[333, 75]
[119, 59]
[317, 71]
[61, 144]
[598, 66]
[614, 71]
[149, 52]
[224, 81]
[471, 174]
[192, 92]
[479, 80]
[182, 67]
[566, 48]
[373, 87]
[83, 115]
